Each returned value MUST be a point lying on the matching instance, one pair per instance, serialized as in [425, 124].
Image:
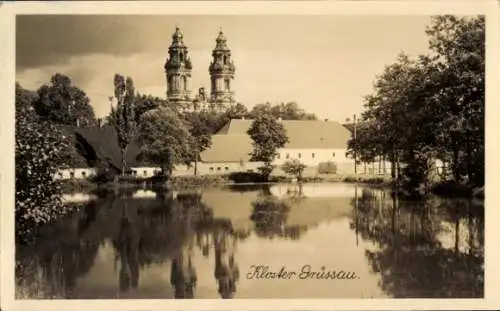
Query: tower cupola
[178, 70]
[222, 71]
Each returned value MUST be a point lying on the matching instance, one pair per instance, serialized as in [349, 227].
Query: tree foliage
[285, 111]
[431, 107]
[125, 122]
[41, 149]
[164, 139]
[294, 168]
[63, 103]
[201, 134]
[267, 135]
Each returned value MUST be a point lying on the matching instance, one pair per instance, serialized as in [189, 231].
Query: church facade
[178, 69]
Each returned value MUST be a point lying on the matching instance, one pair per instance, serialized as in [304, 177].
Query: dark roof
[104, 142]
[349, 126]
[232, 143]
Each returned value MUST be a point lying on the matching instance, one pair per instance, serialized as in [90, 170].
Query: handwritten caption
[306, 272]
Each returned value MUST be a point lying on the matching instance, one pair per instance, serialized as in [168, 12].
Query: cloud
[325, 63]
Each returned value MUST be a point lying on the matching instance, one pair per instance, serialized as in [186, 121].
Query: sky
[327, 64]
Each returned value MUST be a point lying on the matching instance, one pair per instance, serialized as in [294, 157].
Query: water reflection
[194, 245]
[413, 253]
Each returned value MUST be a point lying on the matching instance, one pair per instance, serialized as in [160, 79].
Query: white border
[7, 79]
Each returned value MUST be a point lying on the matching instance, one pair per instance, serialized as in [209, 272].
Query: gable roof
[302, 134]
[349, 126]
[104, 142]
[233, 144]
[228, 148]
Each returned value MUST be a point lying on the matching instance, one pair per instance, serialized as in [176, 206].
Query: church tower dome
[221, 72]
[178, 71]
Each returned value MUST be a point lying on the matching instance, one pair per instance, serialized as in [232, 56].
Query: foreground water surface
[328, 240]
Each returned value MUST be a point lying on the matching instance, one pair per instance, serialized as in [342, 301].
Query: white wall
[75, 173]
[312, 157]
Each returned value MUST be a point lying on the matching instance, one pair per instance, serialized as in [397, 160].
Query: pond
[281, 241]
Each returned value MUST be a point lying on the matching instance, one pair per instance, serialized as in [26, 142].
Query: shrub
[327, 168]
[104, 175]
[185, 182]
[294, 168]
[246, 177]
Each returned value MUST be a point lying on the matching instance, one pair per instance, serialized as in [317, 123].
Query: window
[211, 169]
[278, 156]
[288, 156]
[218, 168]
[145, 173]
[72, 174]
[333, 154]
[313, 155]
[84, 174]
[299, 155]
[226, 168]
[60, 174]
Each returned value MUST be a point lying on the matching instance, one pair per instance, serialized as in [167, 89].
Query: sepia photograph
[219, 156]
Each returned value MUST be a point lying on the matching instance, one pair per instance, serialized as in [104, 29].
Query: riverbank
[444, 189]
[127, 182]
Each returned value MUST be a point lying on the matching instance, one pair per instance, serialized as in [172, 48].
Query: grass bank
[444, 189]
[130, 182]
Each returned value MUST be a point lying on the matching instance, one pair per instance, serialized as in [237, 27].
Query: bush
[327, 168]
[186, 182]
[451, 189]
[246, 177]
[103, 175]
[294, 168]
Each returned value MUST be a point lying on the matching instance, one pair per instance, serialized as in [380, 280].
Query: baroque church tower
[178, 71]
[221, 72]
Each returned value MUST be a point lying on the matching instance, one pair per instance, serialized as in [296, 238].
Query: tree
[164, 139]
[63, 103]
[41, 150]
[145, 103]
[236, 111]
[459, 44]
[267, 135]
[125, 115]
[431, 107]
[201, 135]
[288, 111]
[294, 168]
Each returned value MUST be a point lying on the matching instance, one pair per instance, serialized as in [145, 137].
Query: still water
[233, 243]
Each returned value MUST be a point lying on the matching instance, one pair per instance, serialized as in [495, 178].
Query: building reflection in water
[127, 246]
[226, 269]
[432, 248]
[183, 273]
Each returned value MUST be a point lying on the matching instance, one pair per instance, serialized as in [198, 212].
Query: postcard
[319, 155]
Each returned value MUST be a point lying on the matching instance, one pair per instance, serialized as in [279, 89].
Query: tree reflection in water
[50, 268]
[411, 253]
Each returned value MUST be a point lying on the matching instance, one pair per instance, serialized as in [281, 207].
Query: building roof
[104, 142]
[228, 148]
[232, 143]
[349, 126]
